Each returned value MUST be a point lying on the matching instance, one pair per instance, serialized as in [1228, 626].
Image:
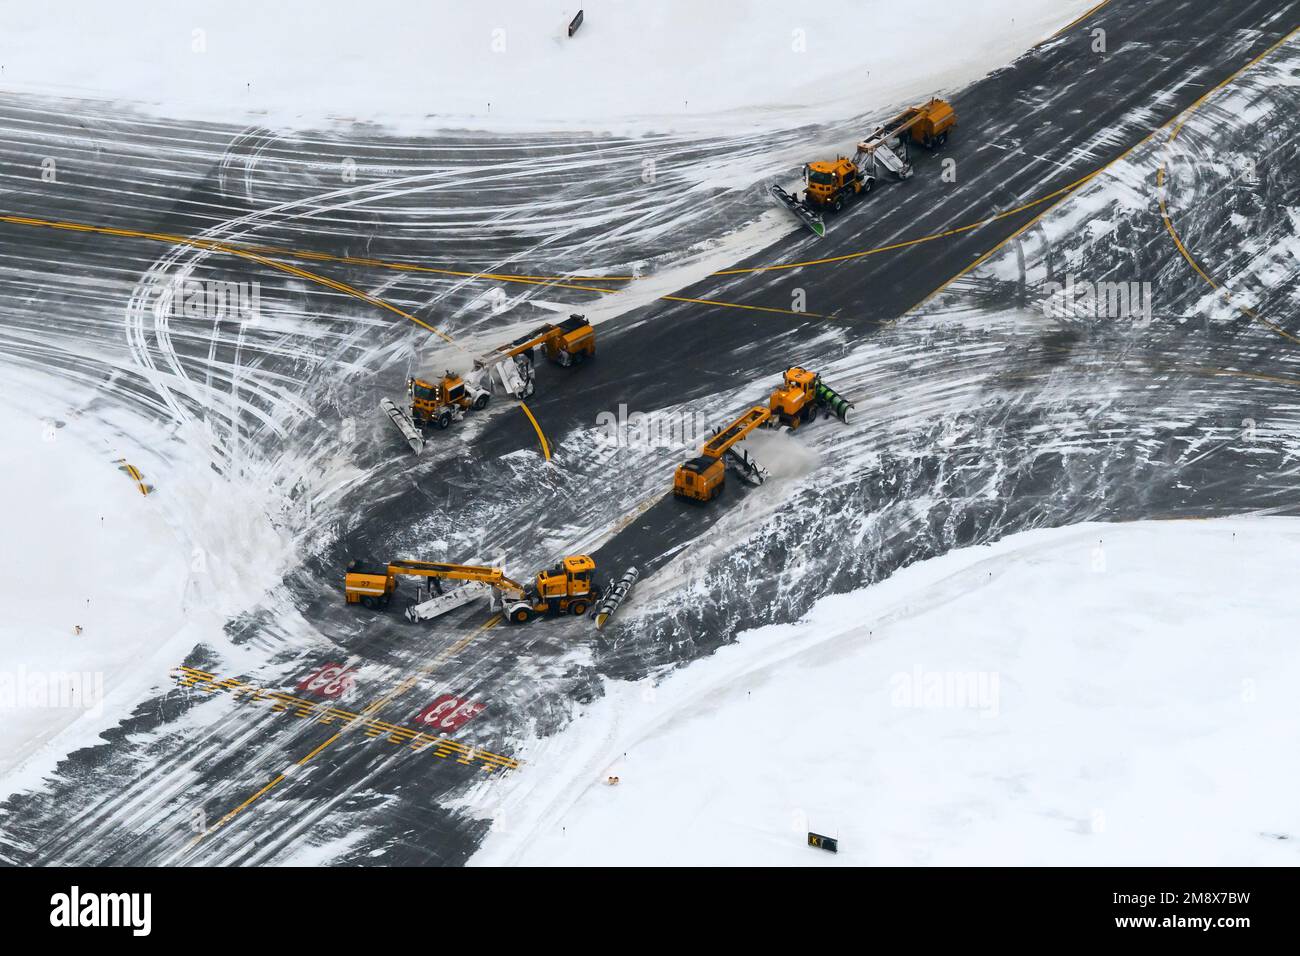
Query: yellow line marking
[320, 748]
[247, 250]
[546, 448]
[431, 270]
[134, 474]
[564, 282]
[229, 250]
[263, 260]
[233, 813]
[1179, 118]
[1075, 22]
[1168, 220]
[405, 685]
[549, 280]
[906, 243]
[741, 305]
[325, 713]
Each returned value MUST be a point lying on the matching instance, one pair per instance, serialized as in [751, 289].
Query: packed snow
[1099, 694]
[94, 587]
[512, 63]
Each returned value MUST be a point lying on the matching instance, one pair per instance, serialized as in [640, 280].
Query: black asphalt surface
[1035, 127]
[1057, 114]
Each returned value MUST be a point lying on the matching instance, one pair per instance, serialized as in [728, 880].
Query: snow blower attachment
[506, 370]
[794, 402]
[702, 478]
[567, 588]
[830, 185]
[614, 597]
[373, 585]
[434, 602]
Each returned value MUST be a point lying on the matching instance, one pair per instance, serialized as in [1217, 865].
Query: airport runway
[966, 430]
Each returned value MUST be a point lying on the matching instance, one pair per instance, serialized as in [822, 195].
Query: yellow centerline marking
[233, 813]
[906, 243]
[546, 448]
[938, 235]
[252, 250]
[564, 282]
[213, 246]
[741, 305]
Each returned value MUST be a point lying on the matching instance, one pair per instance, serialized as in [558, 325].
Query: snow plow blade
[798, 210]
[404, 424]
[614, 597]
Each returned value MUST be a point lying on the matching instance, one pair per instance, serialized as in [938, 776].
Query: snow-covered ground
[1100, 694]
[83, 548]
[666, 64]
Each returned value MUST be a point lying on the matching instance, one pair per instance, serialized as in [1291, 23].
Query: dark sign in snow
[823, 842]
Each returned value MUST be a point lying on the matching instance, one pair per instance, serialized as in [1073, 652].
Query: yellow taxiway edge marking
[1079, 19]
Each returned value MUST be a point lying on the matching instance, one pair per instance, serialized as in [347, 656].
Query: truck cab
[564, 589]
[831, 184]
[795, 400]
[440, 403]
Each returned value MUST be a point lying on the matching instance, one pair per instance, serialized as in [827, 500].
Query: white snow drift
[1102, 694]
[511, 62]
[83, 549]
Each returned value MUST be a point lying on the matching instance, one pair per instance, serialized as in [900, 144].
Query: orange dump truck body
[935, 118]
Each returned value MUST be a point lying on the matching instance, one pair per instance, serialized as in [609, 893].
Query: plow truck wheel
[369, 602]
[521, 615]
[480, 403]
[578, 608]
[839, 203]
[443, 420]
